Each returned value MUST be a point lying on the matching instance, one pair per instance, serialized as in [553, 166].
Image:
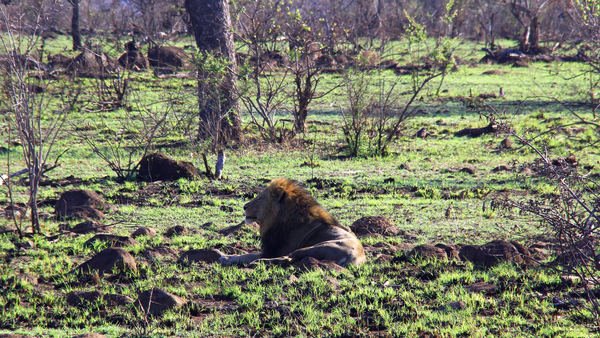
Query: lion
[293, 225]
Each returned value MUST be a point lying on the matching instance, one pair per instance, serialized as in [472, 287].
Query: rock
[506, 143]
[374, 226]
[292, 279]
[310, 263]
[154, 167]
[80, 298]
[112, 240]
[428, 251]
[115, 299]
[108, 260]
[202, 255]
[481, 287]
[144, 231]
[160, 252]
[157, 301]
[81, 204]
[90, 226]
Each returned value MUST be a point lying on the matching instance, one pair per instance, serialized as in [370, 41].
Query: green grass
[397, 298]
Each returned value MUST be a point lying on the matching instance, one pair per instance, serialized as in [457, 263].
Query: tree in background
[217, 79]
[75, 25]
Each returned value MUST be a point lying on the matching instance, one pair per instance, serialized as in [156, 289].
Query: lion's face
[263, 209]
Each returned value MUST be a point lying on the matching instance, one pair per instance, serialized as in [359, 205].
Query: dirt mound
[373, 226]
[428, 251]
[169, 56]
[155, 167]
[158, 252]
[135, 60]
[83, 204]
[201, 255]
[107, 260]
[112, 240]
[91, 60]
[90, 226]
[494, 252]
[157, 301]
[59, 61]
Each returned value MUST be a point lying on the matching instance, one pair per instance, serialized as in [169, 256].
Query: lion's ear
[278, 194]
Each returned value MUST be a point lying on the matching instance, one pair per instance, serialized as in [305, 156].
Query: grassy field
[419, 187]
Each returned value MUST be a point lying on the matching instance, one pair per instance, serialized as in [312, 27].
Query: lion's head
[282, 199]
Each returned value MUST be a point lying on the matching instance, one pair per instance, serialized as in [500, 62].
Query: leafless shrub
[263, 81]
[375, 113]
[35, 117]
[122, 146]
[571, 215]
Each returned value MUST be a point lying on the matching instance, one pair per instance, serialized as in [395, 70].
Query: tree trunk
[219, 109]
[75, 25]
[534, 35]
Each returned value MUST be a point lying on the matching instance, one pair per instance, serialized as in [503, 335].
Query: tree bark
[75, 25]
[219, 108]
[534, 35]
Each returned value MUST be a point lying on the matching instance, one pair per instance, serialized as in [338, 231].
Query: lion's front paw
[281, 261]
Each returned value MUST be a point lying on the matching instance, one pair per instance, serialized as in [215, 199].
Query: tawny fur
[293, 225]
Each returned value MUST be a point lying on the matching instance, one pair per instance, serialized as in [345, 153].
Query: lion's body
[294, 226]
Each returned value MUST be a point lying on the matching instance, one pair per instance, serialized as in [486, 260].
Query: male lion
[294, 226]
